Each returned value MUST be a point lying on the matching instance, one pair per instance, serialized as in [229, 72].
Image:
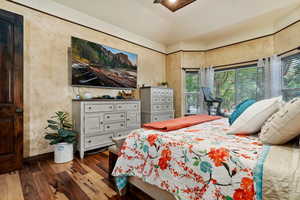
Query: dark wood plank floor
[85, 179]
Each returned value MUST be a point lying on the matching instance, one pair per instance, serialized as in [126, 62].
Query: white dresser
[98, 121]
[157, 104]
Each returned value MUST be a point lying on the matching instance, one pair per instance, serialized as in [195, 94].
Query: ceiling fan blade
[157, 1]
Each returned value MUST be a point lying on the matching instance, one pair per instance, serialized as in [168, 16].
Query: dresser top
[105, 100]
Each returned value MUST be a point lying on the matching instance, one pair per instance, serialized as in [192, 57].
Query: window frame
[196, 93]
[283, 88]
[235, 69]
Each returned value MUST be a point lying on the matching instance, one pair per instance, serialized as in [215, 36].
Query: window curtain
[206, 80]
[272, 76]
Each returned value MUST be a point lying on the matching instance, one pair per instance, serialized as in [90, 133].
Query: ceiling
[202, 20]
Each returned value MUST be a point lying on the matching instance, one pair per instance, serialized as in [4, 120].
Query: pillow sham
[284, 125]
[240, 109]
[251, 121]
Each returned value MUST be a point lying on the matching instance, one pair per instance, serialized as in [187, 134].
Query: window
[192, 92]
[291, 76]
[238, 84]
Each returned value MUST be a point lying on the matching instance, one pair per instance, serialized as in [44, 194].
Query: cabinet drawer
[122, 133]
[121, 106]
[98, 140]
[93, 123]
[98, 108]
[114, 117]
[162, 117]
[114, 126]
[133, 119]
[132, 106]
[155, 99]
[166, 107]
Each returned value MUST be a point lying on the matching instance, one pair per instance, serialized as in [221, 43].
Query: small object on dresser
[87, 95]
[107, 97]
[126, 95]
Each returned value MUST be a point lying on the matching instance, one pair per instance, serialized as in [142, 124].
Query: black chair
[210, 100]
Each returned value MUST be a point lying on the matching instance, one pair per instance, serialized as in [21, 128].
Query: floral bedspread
[199, 162]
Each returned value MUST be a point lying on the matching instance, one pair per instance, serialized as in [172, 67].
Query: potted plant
[62, 136]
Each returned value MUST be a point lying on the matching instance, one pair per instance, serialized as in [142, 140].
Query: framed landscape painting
[96, 65]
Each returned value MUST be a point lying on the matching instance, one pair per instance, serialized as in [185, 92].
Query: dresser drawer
[98, 108]
[93, 123]
[133, 119]
[122, 133]
[162, 117]
[114, 117]
[98, 140]
[114, 126]
[164, 107]
[121, 107]
[132, 106]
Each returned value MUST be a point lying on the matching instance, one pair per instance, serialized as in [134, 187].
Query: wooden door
[11, 91]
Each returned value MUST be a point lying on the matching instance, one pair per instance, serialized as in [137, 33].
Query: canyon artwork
[101, 66]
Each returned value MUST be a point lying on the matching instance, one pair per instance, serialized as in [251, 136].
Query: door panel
[6, 49]
[11, 91]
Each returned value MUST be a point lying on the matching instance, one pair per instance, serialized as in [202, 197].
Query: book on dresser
[98, 121]
[156, 104]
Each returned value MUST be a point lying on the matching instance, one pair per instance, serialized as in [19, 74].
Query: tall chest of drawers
[98, 121]
[157, 104]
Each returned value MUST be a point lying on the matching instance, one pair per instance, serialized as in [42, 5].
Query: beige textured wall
[46, 72]
[193, 59]
[287, 39]
[174, 79]
[241, 52]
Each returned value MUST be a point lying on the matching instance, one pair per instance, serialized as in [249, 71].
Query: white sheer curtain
[272, 76]
[206, 80]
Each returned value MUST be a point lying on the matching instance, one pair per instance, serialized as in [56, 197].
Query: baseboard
[49, 155]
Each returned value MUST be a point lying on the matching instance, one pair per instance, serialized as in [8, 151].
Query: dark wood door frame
[11, 110]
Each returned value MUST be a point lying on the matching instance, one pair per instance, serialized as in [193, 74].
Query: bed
[203, 162]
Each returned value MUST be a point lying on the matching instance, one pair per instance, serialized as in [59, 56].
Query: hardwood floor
[85, 179]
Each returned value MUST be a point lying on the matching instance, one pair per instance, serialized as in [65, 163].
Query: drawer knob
[90, 108]
[90, 141]
[128, 119]
[107, 117]
[101, 122]
[122, 124]
[110, 107]
[122, 115]
[108, 127]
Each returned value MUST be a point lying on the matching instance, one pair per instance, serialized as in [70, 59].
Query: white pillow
[252, 119]
[284, 125]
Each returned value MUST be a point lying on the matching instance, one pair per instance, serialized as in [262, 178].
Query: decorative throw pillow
[284, 125]
[240, 109]
[251, 121]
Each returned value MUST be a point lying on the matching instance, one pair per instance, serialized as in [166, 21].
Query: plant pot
[63, 152]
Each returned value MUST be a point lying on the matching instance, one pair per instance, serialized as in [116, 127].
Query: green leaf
[156, 166]
[228, 198]
[52, 122]
[66, 133]
[51, 136]
[205, 167]
[196, 163]
[53, 127]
